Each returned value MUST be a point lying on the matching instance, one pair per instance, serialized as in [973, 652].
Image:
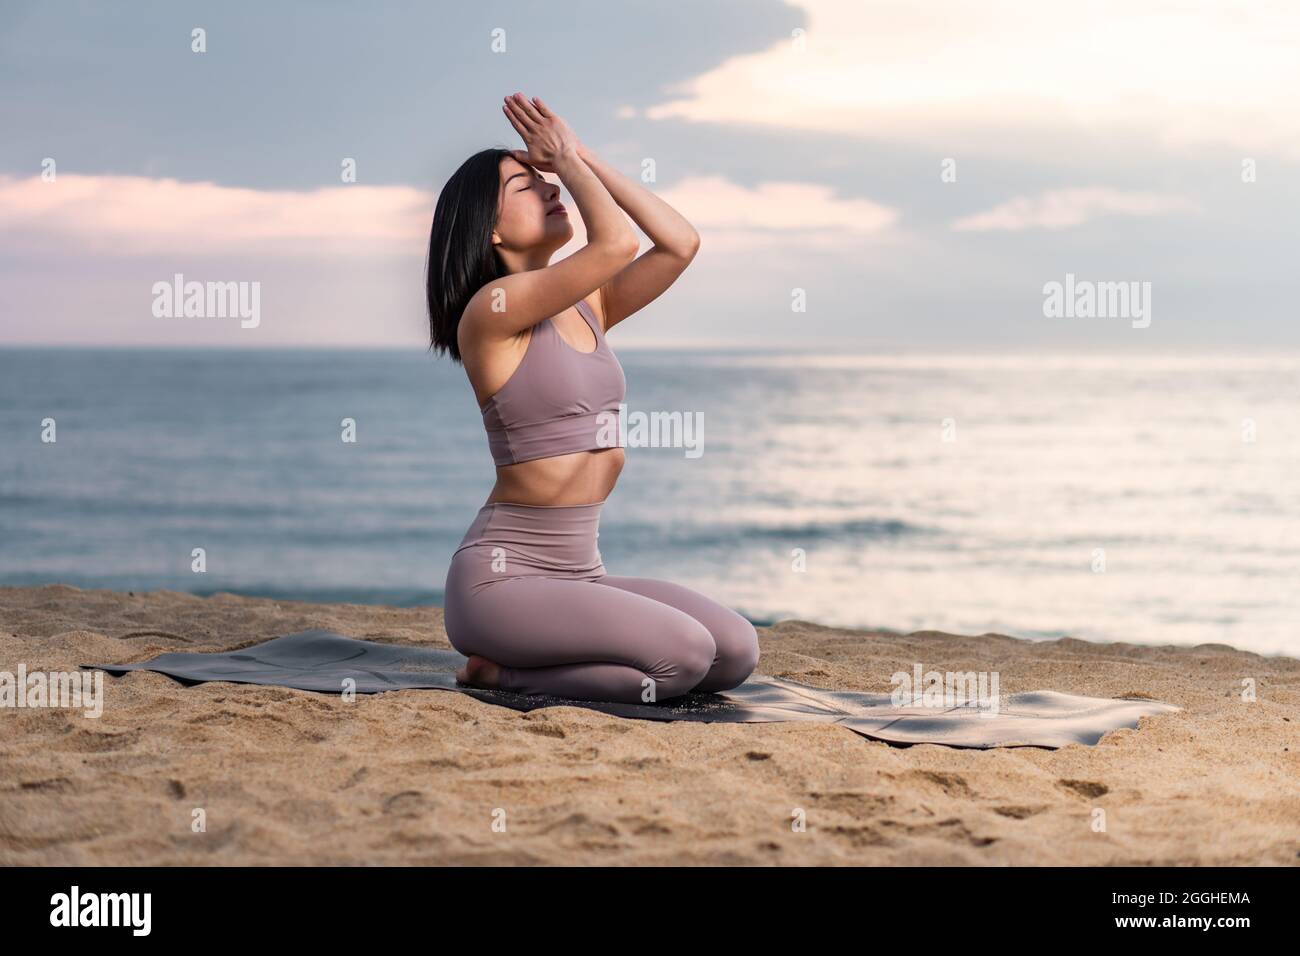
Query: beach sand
[418, 777]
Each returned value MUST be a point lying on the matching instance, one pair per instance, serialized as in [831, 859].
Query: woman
[527, 597]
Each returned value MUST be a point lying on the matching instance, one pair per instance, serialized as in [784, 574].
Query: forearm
[605, 223]
[667, 228]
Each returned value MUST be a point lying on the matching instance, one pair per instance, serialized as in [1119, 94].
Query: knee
[737, 643]
[747, 654]
[689, 655]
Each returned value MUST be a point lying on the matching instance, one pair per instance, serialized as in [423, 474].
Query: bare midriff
[581, 478]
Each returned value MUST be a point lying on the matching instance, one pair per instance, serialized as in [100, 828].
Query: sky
[864, 175]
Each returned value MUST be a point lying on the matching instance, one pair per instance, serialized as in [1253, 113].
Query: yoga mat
[322, 660]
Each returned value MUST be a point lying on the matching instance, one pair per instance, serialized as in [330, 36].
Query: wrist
[569, 156]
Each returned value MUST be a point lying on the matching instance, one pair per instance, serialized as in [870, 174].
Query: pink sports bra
[555, 402]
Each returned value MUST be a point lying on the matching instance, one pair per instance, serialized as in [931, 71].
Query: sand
[291, 777]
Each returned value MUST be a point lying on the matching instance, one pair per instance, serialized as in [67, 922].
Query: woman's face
[524, 201]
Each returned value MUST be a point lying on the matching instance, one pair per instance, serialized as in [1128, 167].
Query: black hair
[462, 258]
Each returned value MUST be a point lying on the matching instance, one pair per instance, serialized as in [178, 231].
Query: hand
[545, 134]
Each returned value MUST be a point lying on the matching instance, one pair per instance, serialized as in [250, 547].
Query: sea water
[1113, 498]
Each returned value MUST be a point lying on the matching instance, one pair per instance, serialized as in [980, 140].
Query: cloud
[1063, 208]
[986, 74]
[715, 202]
[135, 215]
[736, 218]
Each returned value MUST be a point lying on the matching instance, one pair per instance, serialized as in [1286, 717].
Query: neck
[525, 260]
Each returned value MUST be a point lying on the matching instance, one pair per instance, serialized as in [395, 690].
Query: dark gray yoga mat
[322, 661]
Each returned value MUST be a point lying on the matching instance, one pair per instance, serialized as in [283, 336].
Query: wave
[719, 535]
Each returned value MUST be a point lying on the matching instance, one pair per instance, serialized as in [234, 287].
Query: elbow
[684, 249]
[628, 249]
[622, 249]
[692, 244]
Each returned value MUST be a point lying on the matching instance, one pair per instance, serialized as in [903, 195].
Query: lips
[559, 210]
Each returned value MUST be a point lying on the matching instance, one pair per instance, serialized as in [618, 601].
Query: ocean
[1108, 498]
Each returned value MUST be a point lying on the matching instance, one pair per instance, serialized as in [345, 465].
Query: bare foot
[479, 672]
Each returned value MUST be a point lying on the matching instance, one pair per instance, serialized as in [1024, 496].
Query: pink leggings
[527, 589]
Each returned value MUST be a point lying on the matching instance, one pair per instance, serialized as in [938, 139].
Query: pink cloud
[132, 215]
[1064, 208]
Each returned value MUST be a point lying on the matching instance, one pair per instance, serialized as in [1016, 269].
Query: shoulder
[477, 316]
